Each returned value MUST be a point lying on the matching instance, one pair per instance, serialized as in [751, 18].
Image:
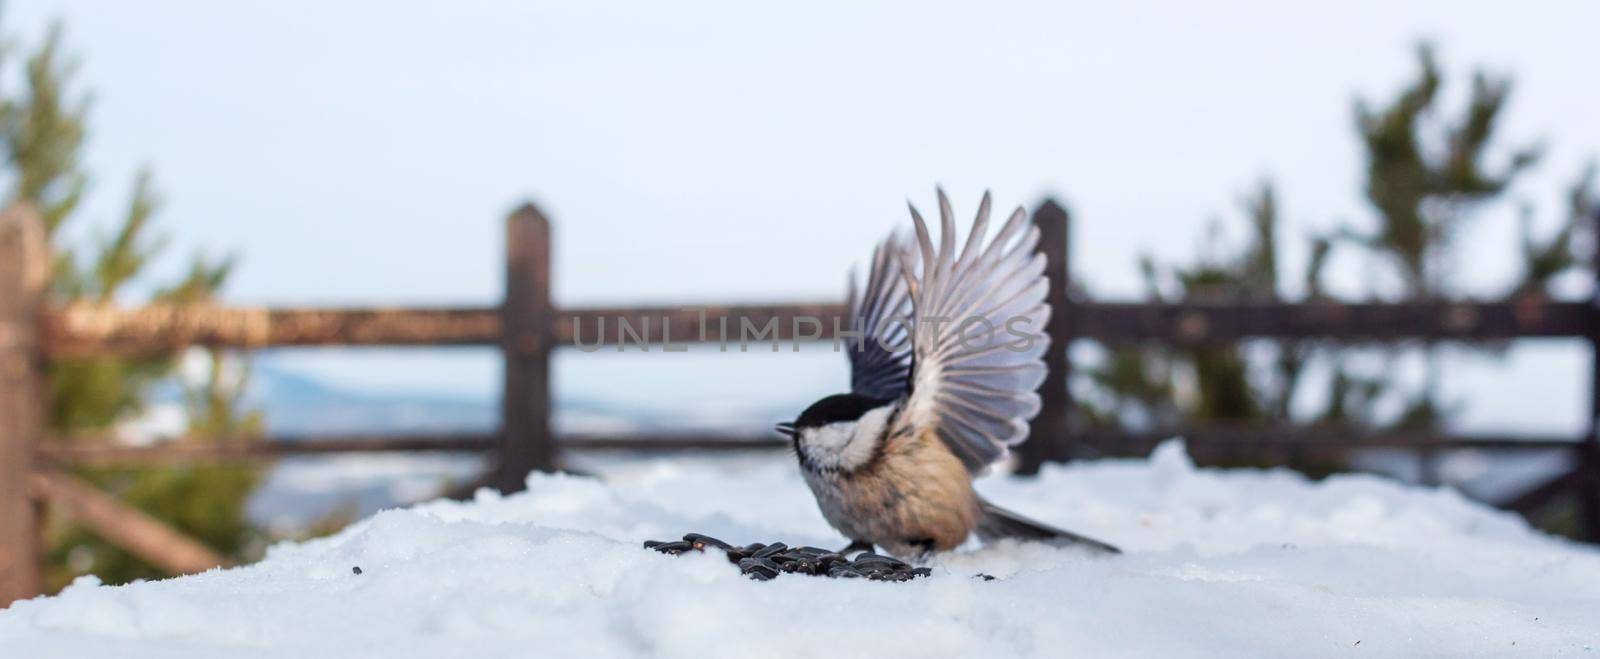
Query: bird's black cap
[836, 408]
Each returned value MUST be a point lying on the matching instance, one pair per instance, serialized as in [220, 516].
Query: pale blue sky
[365, 152]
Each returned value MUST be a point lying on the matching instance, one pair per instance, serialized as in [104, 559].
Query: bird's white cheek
[836, 446]
[845, 445]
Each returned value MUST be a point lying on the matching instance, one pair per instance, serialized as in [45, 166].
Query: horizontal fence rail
[101, 331]
[1298, 438]
[84, 331]
[91, 451]
[1199, 323]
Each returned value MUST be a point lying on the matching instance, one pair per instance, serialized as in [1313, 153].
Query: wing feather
[880, 357]
[975, 390]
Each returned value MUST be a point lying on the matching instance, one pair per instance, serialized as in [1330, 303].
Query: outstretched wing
[979, 334]
[880, 355]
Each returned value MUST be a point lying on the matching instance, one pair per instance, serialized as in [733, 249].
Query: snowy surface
[1218, 563]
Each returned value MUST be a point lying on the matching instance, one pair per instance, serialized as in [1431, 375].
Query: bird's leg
[856, 546]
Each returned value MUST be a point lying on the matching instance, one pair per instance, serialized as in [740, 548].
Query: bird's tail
[996, 523]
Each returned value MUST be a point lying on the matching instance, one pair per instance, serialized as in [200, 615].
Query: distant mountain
[300, 490]
[295, 405]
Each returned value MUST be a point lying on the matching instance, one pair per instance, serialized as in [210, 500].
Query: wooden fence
[526, 327]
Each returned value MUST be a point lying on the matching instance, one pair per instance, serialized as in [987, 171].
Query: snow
[1218, 564]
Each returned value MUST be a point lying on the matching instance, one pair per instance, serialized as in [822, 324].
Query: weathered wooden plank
[1139, 443]
[1589, 462]
[86, 330]
[525, 318]
[1136, 443]
[24, 268]
[98, 451]
[1050, 432]
[128, 527]
[94, 452]
[1202, 323]
[670, 442]
[83, 330]
[752, 327]
[112, 331]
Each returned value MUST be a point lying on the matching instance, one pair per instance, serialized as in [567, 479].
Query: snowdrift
[1218, 563]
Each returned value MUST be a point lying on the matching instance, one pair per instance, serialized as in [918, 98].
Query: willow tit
[944, 361]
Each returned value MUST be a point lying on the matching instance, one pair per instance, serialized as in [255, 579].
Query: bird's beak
[786, 429]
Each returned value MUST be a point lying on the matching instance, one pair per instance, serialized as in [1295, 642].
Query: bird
[946, 351]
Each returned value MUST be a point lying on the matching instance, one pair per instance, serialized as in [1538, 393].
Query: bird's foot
[855, 546]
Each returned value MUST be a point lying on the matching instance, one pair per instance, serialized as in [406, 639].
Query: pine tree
[42, 128]
[1544, 260]
[1427, 177]
[1217, 382]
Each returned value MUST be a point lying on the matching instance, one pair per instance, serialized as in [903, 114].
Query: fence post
[24, 272]
[1048, 437]
[525, 441]
[1589, 456]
